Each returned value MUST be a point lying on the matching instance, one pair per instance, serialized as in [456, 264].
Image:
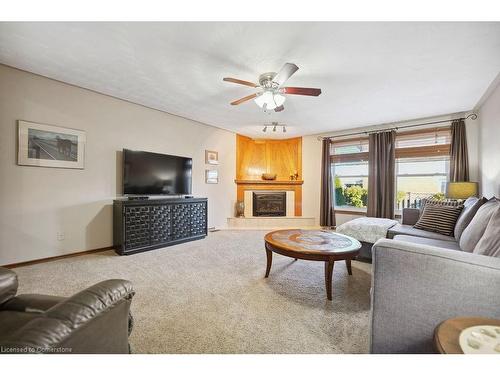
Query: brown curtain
[459, 163]
[381, 174]
[327, 214]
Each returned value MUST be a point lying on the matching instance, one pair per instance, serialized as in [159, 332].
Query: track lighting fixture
[275, 127]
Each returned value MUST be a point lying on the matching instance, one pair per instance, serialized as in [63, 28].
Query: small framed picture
[43, 145]
[211, 157]
[212, 176]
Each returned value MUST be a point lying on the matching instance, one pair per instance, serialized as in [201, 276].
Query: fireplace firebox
[269, 203]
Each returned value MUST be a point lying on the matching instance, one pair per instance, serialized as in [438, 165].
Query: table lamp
[461, 190]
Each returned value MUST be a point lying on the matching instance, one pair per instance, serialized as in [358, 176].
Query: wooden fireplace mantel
[269, 182]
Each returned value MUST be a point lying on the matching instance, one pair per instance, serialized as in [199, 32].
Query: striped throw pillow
[439, 218]
[440, 202]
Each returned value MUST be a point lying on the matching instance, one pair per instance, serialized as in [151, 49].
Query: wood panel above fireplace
[254, 157]
[282, 157]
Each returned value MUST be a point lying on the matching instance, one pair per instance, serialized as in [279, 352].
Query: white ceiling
[369, 73]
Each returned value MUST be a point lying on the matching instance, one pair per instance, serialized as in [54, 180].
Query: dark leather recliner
[95, 320]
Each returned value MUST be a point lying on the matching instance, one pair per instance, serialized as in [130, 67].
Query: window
[417, 139]
[355, 146]
[351, 184]
[350, 173]
[422, 166]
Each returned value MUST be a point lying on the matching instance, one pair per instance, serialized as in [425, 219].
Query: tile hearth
[277, 222]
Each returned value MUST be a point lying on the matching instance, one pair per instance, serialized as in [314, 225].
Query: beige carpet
[210, 296]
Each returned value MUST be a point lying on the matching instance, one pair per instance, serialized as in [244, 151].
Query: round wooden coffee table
[318, 245]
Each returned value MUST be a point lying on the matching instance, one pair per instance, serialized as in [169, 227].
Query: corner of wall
[488, 110]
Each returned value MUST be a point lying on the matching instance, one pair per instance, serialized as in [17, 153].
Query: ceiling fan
[272, 95]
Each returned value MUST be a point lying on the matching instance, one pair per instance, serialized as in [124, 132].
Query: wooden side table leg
[328, 278]
[269, 254]
[349, 268]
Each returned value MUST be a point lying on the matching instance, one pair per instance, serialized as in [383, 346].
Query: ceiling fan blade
[240, 82]
[279, 109]
[286, 72]
[301, 91]
[239, 101]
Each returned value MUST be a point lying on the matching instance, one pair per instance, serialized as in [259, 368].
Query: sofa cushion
[475, 230]
[471, 200]
[489, 244]
[428, 241]
[410, 231]
[440, 219]
[471, 206]
[409, 216]
[12, 321]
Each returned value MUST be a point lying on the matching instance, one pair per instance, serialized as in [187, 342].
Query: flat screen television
[148, 173]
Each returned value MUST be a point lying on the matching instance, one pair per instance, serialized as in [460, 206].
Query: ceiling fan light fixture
[269, 100]
[272, 90]
[279, 99]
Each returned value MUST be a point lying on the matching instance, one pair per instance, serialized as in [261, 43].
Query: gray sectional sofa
[469, 229]
[422, 278]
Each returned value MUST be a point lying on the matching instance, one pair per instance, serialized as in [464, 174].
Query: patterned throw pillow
[439, 218]
[440, 202]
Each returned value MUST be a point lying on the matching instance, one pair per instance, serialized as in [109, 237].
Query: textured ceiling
[369, 73]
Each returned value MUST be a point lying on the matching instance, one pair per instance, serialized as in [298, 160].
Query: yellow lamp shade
[461, 190]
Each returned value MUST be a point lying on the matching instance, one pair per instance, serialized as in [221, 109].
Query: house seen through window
[350, 171]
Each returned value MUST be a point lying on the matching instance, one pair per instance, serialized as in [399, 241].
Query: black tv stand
[142, 225]
[139, 198]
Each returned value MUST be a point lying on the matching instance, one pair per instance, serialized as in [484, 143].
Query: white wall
[36, 203]
[489, 143]
[311, 172]
[311, 160]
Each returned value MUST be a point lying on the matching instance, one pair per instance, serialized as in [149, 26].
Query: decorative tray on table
[480, 340]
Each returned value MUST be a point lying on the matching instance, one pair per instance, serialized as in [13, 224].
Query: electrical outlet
[60, 236]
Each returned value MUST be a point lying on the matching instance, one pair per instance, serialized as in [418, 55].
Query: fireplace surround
[269, 203]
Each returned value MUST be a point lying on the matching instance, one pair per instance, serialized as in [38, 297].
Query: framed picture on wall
[211, 157]
[212, 176]
[42, 145]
